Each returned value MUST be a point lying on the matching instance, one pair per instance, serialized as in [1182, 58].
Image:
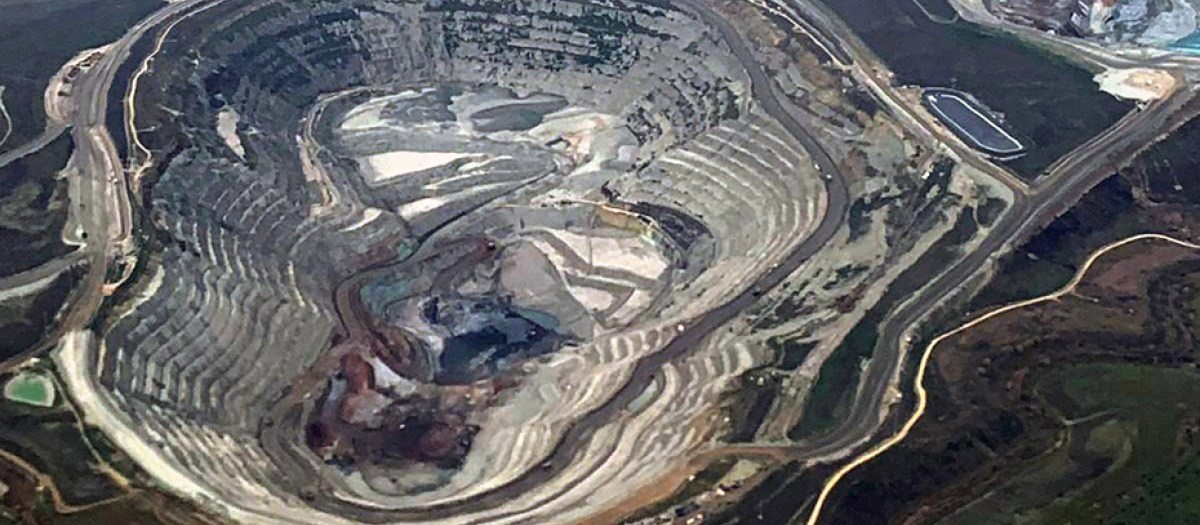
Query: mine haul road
[1073, 176]
[96, 156]
[102, 178]
[1053, 194]
[100, 175]
[694, 331]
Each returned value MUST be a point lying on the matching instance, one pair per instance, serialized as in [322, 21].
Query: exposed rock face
[448, 231]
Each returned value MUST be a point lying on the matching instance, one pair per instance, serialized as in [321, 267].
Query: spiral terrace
[400, 249]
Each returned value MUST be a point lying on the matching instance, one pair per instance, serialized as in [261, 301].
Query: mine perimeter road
[1079, 172]
[103, 181]
[51, 132]
[103, 194]
[1054, 193]
[39, 274]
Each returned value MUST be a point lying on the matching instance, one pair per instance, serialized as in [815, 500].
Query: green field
[1128, 453]
[1154, 416]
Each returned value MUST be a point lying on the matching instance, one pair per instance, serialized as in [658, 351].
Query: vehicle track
[923, 364]
[8, 124]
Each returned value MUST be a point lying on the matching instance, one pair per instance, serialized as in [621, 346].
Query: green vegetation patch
[1195, 311]
[751, 403]
[1005, 73]
[52, 440]
[1157, 410]
[25, 321]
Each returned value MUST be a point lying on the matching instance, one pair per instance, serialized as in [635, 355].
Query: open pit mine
[443, 261]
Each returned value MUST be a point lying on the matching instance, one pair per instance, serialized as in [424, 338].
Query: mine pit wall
[269, 62]
[273, 60]
[246, 289]
[752, 187]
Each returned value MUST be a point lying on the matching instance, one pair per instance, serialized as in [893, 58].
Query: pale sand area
[467, 170]
[593, 137]
[227, 121]
[638, 301]
[1142, 84]
[387, 166]
[633, 254]
[593, 299]
[597, 143]
[369, 114]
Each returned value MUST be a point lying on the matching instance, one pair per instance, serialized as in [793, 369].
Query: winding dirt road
[923, 364]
